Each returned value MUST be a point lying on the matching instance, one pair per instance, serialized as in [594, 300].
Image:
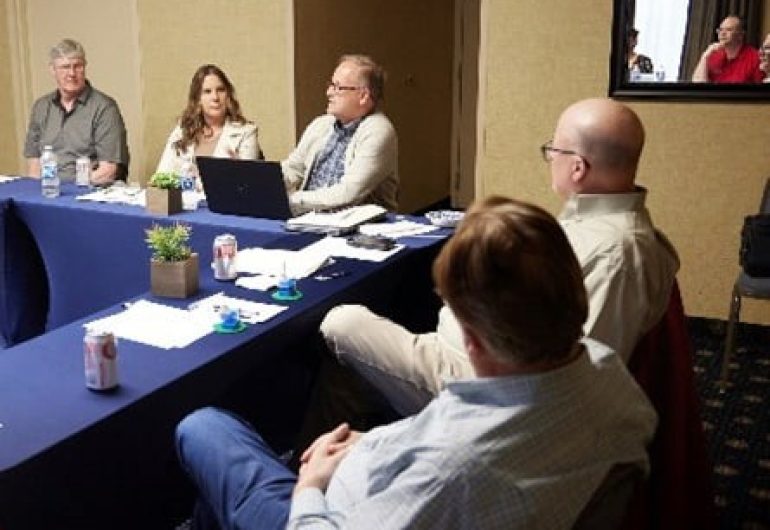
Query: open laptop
[251, 188]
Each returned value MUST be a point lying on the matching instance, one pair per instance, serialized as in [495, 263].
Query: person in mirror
[730, 59]
[538, 422]
[636, 61]
[764, 59]
[350, 155]
[211, 124]
[77, 121]
[628, 269]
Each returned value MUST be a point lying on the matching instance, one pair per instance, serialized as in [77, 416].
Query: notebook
[251, 188]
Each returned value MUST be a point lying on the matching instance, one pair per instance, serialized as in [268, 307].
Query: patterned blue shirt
[523, 451]
[329, 166]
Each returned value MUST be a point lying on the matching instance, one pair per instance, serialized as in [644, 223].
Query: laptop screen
[252, 188]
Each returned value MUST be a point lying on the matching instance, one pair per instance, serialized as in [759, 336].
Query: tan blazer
[238, 137]
[371, 166]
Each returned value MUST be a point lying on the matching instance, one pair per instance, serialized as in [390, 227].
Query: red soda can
[100, 355]
[225, 250]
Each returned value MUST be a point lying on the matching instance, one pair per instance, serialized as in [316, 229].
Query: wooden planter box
[163, 202]
[174, 279]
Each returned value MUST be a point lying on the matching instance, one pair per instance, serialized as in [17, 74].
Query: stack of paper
[116, 194]
[157, 325]
[398, 229]
[6, 178]
[248, 311]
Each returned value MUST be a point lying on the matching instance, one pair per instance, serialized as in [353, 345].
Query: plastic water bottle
[635, 74]
[49, 173]
[187, 183]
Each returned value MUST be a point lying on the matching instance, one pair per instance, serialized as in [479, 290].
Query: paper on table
[250, 312]
[7, 178]
[338, 247]
[116, 194]
[397, 229]
[296, 264]
[260, 282]
[156, 325]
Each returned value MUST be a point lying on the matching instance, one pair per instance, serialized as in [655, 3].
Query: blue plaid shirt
[522, 451]
[329, 166]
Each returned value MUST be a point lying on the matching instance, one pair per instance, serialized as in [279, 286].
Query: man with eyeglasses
[729, 60]
[628, 269]
[77, 121]
[350, 155]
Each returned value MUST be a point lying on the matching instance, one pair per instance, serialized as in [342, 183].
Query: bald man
[628, 266]
[730, 59]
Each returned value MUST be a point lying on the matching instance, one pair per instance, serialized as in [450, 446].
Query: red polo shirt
[743, 68]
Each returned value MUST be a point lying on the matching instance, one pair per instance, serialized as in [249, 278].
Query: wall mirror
[673, 35]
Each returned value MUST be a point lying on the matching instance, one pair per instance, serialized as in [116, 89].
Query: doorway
[424, 47]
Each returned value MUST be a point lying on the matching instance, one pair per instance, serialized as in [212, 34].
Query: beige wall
[704, 164]
[9, 158]
[249, 39]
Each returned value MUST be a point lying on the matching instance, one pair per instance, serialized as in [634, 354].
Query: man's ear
[579, 170]
[473, 344]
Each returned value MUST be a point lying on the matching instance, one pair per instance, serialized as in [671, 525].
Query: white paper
[295, 264]
[338, 247]
[250, 312]
[260, 282]
[116, 194]
[398, 229]
[156, 325]
[6, 178]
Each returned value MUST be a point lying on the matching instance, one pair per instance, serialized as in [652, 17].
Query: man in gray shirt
[77, 121]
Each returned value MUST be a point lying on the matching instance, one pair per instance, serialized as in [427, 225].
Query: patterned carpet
[737, 421]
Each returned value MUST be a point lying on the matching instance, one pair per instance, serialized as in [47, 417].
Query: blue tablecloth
[65, 259]
[73, 458]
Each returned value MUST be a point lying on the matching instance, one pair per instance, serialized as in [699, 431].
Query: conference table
[74, 458]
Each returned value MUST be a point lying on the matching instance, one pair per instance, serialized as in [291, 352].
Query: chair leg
[732, 323]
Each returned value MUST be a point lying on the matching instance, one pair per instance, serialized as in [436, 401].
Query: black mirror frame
[620, 88]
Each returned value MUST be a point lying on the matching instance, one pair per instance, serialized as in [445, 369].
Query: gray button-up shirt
[93, 128]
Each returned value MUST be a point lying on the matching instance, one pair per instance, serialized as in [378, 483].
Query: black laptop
[252, 188]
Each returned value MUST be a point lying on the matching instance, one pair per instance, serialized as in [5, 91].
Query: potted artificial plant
[164, 194]
[173, 265]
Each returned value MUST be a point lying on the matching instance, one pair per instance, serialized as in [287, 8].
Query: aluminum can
[225, 250]
[100, 355]
[83, 171]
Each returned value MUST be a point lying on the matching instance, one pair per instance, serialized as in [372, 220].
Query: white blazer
[240, 138]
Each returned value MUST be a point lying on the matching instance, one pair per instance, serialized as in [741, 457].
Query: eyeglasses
[340, 88]
[75, 67]
[547, 150]
[725, 29]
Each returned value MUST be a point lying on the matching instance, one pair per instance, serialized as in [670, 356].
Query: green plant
[169, 243]
[165, 181]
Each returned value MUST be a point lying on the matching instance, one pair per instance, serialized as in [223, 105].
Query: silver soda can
[83, 171]
[225, 250]
[100, 355]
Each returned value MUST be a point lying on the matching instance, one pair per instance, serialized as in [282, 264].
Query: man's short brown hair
[510, 274]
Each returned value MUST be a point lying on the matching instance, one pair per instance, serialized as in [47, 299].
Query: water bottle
[635, 74]
[49, 173]
[187, 183]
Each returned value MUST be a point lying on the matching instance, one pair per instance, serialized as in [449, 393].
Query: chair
[745, 286]
[678, 494]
